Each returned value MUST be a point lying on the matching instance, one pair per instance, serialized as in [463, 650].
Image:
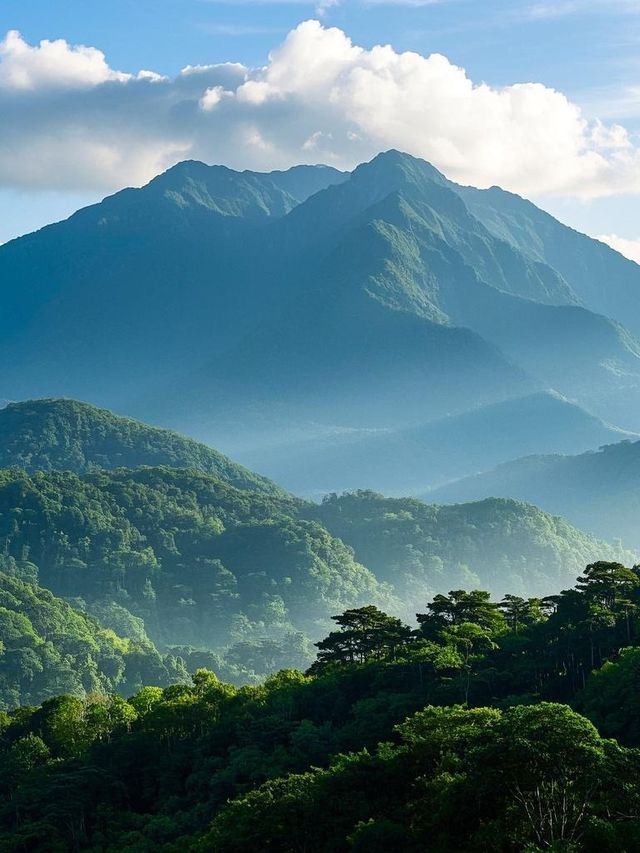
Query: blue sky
[585, 49]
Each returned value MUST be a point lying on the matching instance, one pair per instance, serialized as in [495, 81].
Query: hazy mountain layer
[240, 306]
[599, 491]
[415, 459]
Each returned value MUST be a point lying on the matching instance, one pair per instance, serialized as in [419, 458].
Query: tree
[366, 633]
[461, 607]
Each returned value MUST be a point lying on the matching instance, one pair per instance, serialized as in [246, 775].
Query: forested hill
[497, 544]
[67, 435]
[48, 648]
[206, 569]
[488, 726]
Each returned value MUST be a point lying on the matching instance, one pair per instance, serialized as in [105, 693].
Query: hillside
[202, 563]
[455, 728]
[208, 567]
[495, 544]
[599, 491]
[48, 648]
[66, 435]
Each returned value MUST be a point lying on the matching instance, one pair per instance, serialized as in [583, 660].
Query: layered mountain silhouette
[272, 314]
[410, 460]
[597, 490]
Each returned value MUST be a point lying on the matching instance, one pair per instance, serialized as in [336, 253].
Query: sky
[541, 97]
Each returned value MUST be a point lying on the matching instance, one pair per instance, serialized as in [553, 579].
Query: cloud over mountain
[73, 122]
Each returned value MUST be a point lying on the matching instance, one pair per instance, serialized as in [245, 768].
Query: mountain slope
[399, 269]
[43, 435]
[143, 285]
[415, 459]
[48, 648]
[599, 491]
[243, 307]
[494, 544]
[603, 280]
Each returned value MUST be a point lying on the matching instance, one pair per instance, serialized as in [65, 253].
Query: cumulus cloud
[51, 65]
[629, 248]
[70, 121]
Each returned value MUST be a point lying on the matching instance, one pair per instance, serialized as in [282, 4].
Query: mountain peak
[394, 164]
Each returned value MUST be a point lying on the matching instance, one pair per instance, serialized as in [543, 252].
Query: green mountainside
[48, 648]
[245, 308]
[45, 435]
[583, 263]
[201, 562]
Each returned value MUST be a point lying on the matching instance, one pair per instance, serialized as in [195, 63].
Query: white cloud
[52, 64]
[629, 248]
[72, 122]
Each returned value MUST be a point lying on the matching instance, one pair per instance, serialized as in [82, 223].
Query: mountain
[67, 435]
[494, 544]
[251, 309]
[49, 648]
[598, 490]
[583, 263]
[143, 285]
[413, 460]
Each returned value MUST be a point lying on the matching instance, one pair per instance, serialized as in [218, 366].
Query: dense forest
[47, 648]
[192, 659]
[487, 725]
[67, 435]
[202, 574]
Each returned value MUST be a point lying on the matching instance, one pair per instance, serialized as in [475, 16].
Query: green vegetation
[201, 563]
[500, 545]
[47, 648]
[448, 737]
[65, 435]
[240, 582]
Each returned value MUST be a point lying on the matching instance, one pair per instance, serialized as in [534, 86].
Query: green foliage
[65, 435]
[241, 578]
[183, 558]
[499, 545]
[368, 752]
[529, 778]
[47, 648]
